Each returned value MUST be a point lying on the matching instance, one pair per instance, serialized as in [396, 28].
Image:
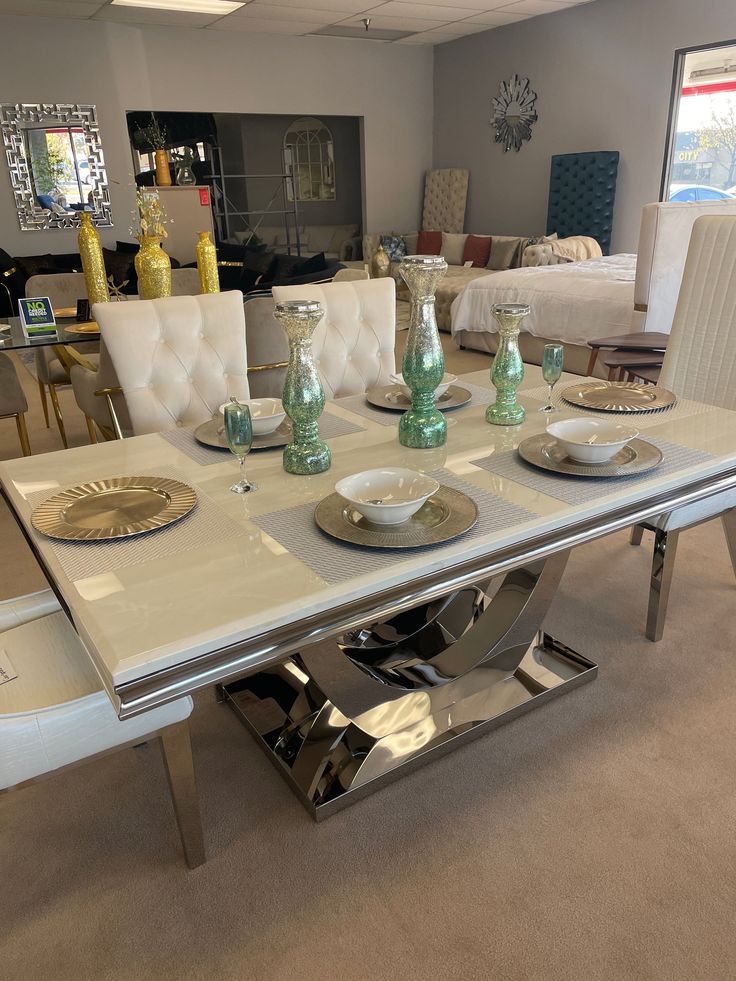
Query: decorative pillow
[127, 247]
[394, 246]
[315, 263]
[429, 243]
[453, 246]
[506, 252]
[120, 266]
[477, 250]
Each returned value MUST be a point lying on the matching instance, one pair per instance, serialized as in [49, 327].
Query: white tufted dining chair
[354, 343]
[700, 364]
[176, 359]
[55, 713]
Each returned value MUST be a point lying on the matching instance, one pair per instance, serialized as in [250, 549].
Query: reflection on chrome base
[344, 717]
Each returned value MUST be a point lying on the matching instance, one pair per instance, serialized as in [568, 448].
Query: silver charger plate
[605, 396]
[446, 515]
[545, 452]
[116, 507]
[212, 434]
[392, 397]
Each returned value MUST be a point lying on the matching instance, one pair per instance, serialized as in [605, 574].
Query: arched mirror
[310, 160]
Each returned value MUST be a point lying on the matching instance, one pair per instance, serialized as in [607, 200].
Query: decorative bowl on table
[447, 380]
[388, 496]
[591, 440]
[266, 414]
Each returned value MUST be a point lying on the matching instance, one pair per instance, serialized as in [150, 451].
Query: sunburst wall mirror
[514, 113]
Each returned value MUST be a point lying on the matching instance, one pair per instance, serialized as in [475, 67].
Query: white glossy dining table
[247, 605]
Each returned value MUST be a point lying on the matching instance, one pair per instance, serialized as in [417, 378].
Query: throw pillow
[477, 250]
[452, 248]
[394, 246]
[131, 247]
[504, 249]
[315, 263]
[429, 243]
[119, 265]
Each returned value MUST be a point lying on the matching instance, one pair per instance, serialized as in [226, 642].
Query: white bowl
[591, 440]
[447, 380]
[387, 496]
[266, 414]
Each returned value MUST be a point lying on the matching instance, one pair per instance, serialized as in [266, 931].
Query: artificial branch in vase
[155, 136]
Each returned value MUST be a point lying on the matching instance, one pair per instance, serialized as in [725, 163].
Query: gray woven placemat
[335, 561]
[682, 409]
[205, 525]
[582, 490]
[330, 426]
[480, 396]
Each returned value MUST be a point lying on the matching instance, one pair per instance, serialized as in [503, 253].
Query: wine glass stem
[549, 397]
[242, 470]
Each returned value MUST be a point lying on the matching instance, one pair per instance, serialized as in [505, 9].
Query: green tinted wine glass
[551, 370]
[239, 433]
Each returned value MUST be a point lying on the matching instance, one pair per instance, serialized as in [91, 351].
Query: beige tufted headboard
[445, 195]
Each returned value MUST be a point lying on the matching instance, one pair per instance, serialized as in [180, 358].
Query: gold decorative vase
[380, 263]
[209, 280]
[93, 263]
[163, 171]
[153, 268]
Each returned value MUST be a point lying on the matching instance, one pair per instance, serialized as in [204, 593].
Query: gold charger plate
[392, 397]
[446, 515]
[63, 313]
[90, 327]
[605, 396]
[212, 434]
[116, 507]
[545, 452]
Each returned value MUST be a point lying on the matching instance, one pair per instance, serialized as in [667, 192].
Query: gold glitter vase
[209, 280]
[380, 263]
[93, 263]
[153, 268]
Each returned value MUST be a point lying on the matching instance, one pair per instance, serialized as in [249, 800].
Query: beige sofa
[336, 241]
[458, 276]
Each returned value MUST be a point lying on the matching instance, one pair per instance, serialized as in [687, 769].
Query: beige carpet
[592, 839]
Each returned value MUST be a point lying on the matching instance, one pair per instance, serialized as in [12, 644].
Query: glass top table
[68, 331]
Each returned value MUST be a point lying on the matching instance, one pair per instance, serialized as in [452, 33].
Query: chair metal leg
[663, 566]
[91, 429]
[636, 535]
[729, 527]
[20, 421]
[176, 747]
[44, 403]
[57, 412]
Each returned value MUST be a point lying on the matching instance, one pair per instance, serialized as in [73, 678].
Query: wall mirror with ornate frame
[57, 169]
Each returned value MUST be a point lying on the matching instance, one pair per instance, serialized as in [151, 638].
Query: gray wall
[603, 73]
[263, 138]
[123, 67]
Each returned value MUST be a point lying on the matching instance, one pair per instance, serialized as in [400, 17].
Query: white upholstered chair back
[354, 343]
[176, 359]
[663, 243]
[700, 362]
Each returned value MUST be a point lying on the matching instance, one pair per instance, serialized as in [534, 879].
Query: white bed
[572, 303]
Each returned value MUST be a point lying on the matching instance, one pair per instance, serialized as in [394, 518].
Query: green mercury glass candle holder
[508, 368]
[423, 367]
[303, 397]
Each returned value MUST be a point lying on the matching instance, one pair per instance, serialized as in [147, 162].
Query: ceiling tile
[495, 18]
[253, 25]
[148, 15]
[425, 11]
[533, 7]
[394, 23]
[51, 8]
[271, 11]
[339, 6]
[477, 5]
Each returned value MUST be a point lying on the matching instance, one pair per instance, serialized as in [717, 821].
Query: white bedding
[573, 302]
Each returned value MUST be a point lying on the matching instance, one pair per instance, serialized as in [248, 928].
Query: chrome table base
[347, 715]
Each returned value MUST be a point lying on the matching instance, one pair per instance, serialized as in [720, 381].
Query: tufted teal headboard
[582, 189]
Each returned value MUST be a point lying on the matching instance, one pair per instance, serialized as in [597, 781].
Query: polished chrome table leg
[176, 748]
[636, 534]
[729, 527]
[351, 713]
[663, 567]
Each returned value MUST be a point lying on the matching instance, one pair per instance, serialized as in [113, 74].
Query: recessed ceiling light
[185, 6]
